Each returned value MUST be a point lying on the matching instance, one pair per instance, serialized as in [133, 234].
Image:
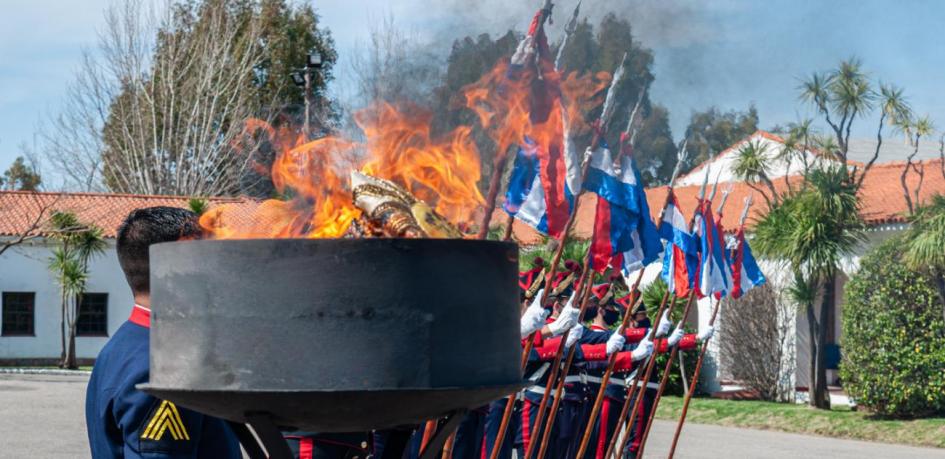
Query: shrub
[894, 348]
[652, 296]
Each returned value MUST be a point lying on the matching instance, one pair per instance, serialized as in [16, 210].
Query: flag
[715, 274]
[624, 236]
[524, 171]
[745, 272]
[547, 207]
[680, 256]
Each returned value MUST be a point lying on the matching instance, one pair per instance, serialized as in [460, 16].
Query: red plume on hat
[625, 301]
[602, 292]
[573, 266]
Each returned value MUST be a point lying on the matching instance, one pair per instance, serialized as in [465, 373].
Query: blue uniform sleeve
[155, 429]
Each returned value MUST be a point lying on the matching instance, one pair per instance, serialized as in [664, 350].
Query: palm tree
[841, 96]
[78, 245]
[811, 231]
[925, 243]
[915, 130]
[752, 164]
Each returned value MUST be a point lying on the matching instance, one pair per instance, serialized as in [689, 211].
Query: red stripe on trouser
[602, 429]
[641, 421]
[526, 425]
[305, 448]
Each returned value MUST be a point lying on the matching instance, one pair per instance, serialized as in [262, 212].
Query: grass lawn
[840, 423]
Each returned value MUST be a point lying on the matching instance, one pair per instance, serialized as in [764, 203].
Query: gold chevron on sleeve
[165, 419]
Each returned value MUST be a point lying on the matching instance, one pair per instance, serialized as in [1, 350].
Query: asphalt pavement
[43, 417]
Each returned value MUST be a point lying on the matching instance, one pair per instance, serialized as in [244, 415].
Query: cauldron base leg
[447, 427]
[269, 436]
[247, 440]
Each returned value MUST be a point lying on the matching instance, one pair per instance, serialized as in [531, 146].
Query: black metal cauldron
[334, 335]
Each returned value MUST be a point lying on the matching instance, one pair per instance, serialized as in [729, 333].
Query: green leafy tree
[893, 335]
[712, 131]
[78, 244]
[20, 176]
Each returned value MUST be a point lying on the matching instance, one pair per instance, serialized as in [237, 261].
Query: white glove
[675, 337]
[616, 342]
[706, 334]
[534, 317]
[567, 318]
[663, 328]
[643, 350]
[574, 335]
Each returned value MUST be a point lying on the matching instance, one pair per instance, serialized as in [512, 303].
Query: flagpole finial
[744, 216]
[725, 193]
[715, 186]
[680, 160]
[610, 100]
[705, 182]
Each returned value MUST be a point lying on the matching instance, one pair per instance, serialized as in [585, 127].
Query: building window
[18, 309]
[93, 315]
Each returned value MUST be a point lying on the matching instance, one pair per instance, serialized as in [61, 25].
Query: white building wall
[722, 166]
[25, 269]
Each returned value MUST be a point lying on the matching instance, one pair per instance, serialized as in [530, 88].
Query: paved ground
[42, 416]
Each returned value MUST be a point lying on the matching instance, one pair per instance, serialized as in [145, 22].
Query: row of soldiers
[547, 313]
[545, 318]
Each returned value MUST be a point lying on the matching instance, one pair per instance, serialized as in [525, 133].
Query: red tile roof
[881, 200]
[20, 209]
[767, 135]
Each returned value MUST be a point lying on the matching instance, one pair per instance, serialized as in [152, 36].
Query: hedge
[894, 348]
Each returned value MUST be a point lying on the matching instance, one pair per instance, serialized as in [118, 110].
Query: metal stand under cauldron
[334, 335]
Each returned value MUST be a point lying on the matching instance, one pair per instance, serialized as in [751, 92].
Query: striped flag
[745, 272]
[680, 256]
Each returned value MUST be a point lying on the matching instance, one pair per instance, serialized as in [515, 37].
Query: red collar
[140, 315]
[598, 327]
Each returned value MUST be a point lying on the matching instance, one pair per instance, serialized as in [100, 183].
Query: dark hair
[150, 225]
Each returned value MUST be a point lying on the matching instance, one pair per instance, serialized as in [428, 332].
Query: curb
[43, 371]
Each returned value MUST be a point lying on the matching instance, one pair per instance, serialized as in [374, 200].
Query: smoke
[656, 23]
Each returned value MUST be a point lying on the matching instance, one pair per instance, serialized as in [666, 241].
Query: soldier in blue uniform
[122, 421]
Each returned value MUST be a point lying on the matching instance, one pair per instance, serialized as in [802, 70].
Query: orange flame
[444, 172]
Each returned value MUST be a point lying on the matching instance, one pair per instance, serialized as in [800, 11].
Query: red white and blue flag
[745, 272]
[715, 274]
[624, 236]
[680, 256]
[548, 206]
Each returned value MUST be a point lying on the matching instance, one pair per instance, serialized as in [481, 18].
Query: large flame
[397, 146]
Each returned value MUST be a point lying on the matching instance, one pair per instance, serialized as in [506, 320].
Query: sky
[724, 53]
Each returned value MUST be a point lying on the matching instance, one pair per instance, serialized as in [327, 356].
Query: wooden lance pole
[605, 116]
[612, 359]
[705, 345]
[638, 387]
[665, 379]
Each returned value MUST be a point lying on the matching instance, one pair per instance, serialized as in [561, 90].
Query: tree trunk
[62, 331]
[70, 353]
[812, 333]
[820, 396]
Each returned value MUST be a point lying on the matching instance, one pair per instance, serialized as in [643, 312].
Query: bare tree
[757, 328]
[158, 106]
[393, 67]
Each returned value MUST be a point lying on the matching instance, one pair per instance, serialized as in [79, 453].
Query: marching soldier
[649, 388]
